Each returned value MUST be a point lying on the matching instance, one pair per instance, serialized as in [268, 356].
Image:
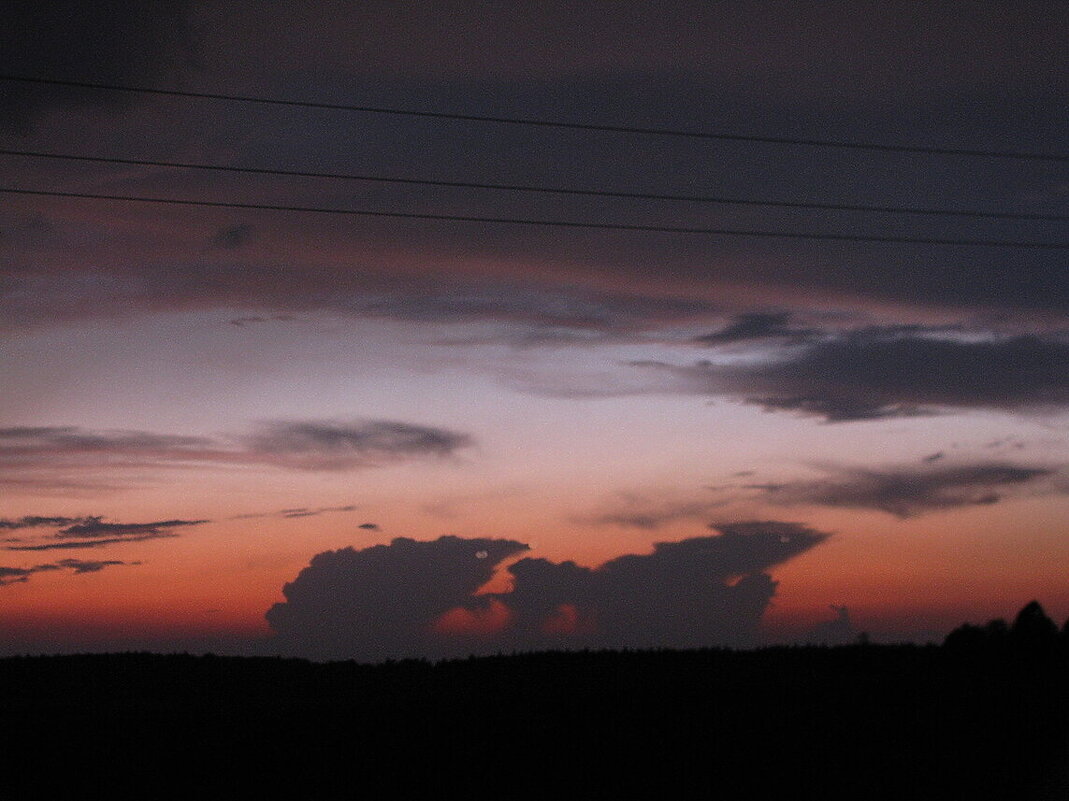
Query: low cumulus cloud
[20, 575]
[877, 373]
[413, 598]
[383, 601]
[910, 491]
[55, 455]
[701, 591]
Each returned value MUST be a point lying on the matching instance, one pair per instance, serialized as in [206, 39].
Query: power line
[727, 201]
[623, 129]
[665, 229]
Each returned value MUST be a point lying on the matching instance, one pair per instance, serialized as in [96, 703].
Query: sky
[370, 435]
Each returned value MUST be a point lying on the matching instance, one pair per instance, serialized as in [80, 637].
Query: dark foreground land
[860, 721]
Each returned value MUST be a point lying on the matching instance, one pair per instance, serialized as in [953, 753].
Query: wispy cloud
[35, 521]
[300, 511]
[73, 545]
[324, 445]
[58, 456]
[756, 326]
[18, 575]
[911, 491]
[97, 527]
[241, 322]
[83, 566]
[650, 512]
[95, 532]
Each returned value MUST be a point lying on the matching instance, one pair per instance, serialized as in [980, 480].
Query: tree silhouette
[1032, 634]
[1033, 631]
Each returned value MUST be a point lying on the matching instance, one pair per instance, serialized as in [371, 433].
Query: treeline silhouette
[1031, 635]
[983, 716]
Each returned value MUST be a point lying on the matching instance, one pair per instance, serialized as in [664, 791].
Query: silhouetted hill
[858, 721]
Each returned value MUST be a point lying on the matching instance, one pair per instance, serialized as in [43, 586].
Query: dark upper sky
[972, 76]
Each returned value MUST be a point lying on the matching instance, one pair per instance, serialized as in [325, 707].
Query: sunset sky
[530, 435]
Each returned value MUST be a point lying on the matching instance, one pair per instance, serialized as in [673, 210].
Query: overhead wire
[929, 150]
[707, 199]
[668, 229]
[544, 123]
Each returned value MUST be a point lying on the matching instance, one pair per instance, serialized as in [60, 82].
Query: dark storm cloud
[907, 492]
[383, 601]
[389, 600]
[13, 575]
[108, 41]
[45, 455]
[753, 326]
[878, 373]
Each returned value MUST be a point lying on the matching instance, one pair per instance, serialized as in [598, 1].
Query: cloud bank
[413, 598]
[877, 373]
